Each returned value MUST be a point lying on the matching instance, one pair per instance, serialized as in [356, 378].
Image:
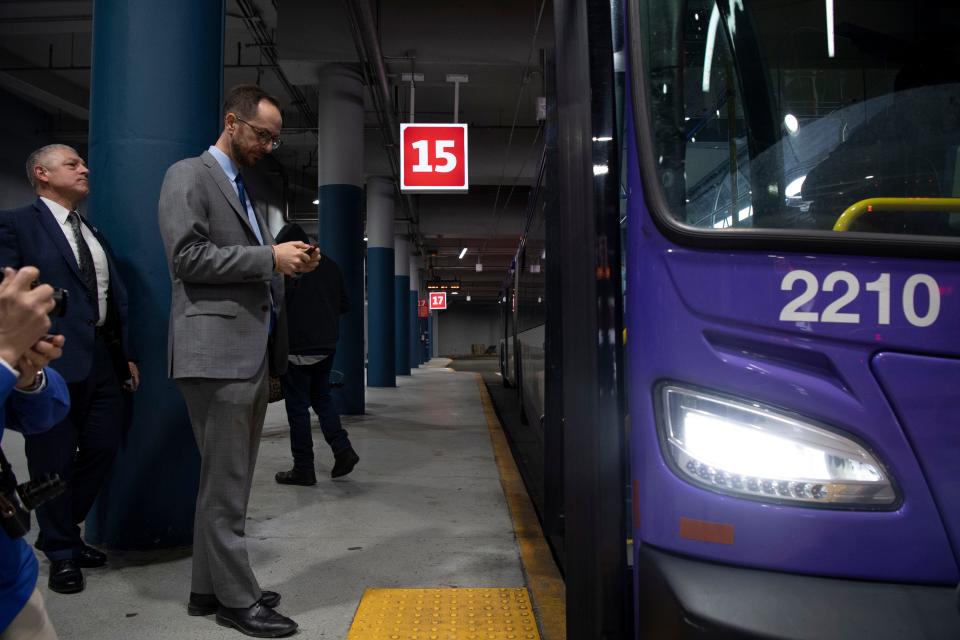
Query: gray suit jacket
[222, 278]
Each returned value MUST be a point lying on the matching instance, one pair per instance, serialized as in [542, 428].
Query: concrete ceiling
[45, 59]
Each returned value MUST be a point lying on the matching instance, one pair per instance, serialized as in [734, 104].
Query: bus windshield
[834, 115]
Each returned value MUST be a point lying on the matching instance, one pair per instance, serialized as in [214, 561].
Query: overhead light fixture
[365, 238]
[831, 47]
[708, 51]
[468, 297]
[454, 293]
[793, 189]
[317, 201]
[791, 123]
[463, 253]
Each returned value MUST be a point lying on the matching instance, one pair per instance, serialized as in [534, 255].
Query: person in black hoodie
[315, 301]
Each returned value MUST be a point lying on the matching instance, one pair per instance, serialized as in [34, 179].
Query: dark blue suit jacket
[31, 236]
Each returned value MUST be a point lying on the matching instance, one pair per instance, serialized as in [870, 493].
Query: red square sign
[422, 311]
[438, 299]
[433, 157]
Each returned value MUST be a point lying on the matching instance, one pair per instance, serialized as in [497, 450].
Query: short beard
[238, 154]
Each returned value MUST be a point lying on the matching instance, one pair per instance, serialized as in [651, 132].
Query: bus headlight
[751, 450]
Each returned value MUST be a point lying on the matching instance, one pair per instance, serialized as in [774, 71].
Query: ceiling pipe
[374, 68]
[258, 31]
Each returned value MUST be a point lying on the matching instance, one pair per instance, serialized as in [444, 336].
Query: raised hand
[23, 312]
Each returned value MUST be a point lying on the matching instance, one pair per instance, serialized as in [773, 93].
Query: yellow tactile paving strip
[444, 614]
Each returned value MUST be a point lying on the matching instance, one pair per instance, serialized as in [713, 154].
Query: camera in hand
[60, 298]
[17, 500]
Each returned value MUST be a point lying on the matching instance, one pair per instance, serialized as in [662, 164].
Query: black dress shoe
[90, 558]
[65, 577]
[259, 621]
[296, 476]
[203, 604]
[344, 463]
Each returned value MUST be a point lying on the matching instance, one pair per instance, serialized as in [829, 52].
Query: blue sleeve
[7, 381]
[32, 413]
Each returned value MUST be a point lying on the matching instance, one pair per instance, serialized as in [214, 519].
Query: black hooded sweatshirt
[315, 301]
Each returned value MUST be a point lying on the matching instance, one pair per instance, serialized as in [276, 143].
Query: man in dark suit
[96, 364]
[226, 332]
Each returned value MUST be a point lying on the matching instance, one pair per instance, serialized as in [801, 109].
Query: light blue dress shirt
[232, 172]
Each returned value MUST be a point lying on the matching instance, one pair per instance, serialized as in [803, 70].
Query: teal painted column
[414, 319]
[156, 85]
[381, 365]
[401, 305]
[340, 228]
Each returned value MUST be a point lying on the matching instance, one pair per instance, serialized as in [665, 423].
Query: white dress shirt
[99, 255]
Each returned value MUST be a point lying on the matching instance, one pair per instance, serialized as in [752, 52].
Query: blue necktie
[242, 193]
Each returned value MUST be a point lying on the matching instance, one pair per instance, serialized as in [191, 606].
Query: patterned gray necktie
[87, 271]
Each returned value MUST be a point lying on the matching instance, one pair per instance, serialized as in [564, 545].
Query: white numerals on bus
[834, 313]
[440, 151]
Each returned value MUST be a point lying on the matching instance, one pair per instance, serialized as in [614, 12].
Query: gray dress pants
[227, 418]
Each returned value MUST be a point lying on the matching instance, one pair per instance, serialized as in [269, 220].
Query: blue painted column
[401, 308]
[381, 342]
[340, 226]
[156, 86]
[428, 349]
[414, 316]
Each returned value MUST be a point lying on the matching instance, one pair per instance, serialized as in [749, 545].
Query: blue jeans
[305, 387]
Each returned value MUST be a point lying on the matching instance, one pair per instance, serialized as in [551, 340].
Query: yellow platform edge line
[543, 578]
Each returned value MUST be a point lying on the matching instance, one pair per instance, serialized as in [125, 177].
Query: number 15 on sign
[433, 157]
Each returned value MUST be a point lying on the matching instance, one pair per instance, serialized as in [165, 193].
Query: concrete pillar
[155, 93]
[414, 316]
[381, 356]
[340, 227]
[401, 308]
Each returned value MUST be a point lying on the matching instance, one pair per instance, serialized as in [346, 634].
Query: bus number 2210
[849, 286]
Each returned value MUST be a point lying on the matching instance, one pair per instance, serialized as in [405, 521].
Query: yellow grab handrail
[886, 205]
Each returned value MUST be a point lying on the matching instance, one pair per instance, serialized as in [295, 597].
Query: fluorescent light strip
[831, 50]
[711, 42]
[463, 253]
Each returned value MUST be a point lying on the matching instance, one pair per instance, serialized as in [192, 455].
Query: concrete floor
[423, 508]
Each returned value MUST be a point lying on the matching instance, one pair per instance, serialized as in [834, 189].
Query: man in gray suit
[226, 330]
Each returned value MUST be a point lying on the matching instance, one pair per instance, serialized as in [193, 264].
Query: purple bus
[733, 320]
[792, 311]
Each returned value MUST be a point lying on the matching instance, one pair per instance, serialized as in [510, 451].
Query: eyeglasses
[262, 134]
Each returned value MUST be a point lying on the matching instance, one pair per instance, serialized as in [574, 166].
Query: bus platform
[431, 537]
